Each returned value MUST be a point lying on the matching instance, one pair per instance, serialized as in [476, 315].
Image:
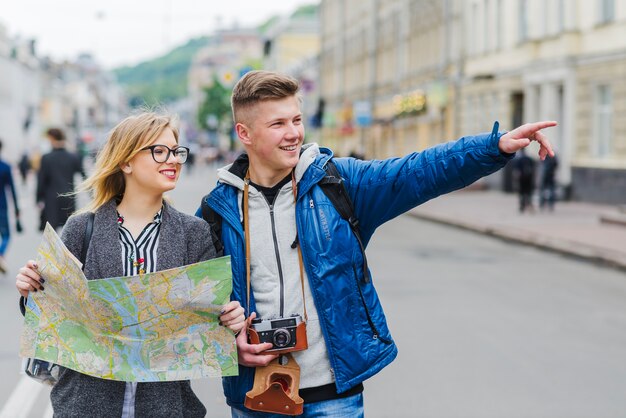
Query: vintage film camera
[286, 334]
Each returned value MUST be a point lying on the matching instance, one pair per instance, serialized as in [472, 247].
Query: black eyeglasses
[161, 153]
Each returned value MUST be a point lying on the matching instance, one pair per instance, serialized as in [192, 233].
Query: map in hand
[159, 326]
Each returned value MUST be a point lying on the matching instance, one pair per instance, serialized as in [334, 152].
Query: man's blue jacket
[353, 323]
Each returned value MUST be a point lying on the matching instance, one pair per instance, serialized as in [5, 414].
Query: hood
[234, 173]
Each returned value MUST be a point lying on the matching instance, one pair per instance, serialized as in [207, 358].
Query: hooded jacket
[356, 339]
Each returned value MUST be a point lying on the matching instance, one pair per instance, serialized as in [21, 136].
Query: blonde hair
[123, 143]
[257, 86]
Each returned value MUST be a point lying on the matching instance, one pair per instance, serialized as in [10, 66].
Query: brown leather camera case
[276, 388]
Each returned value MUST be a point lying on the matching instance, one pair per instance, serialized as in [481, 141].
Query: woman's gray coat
[183, 239]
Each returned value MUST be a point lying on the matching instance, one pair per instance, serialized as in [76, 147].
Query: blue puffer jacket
[351, 317]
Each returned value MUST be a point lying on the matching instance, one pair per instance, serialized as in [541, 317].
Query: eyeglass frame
[170, 151]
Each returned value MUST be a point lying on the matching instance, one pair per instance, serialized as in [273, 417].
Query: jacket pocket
[375, 330]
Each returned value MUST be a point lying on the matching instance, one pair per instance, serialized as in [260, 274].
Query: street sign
[363, 113]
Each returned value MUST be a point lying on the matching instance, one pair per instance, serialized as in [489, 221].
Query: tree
[215, 111]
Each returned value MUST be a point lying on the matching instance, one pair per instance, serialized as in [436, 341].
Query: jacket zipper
[376, 335]
[280, 268]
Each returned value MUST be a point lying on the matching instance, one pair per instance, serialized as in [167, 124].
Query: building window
[474, 35]
[601, 144]
[606, 11]
[523, 20]
[561, 16]
[486, 26]
[499, 17]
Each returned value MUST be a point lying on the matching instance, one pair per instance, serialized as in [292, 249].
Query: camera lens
[281, 338]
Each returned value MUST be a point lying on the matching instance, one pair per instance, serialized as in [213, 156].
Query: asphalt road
[484, 328]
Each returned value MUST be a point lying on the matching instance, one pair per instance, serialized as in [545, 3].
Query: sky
[125, 32]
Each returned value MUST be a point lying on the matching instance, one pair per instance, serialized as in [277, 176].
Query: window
[606, 11]
[523, 20]
[473, 23]
[601, 145]
[499, 17]
[561, 16]
[495, 108]
[486, 25]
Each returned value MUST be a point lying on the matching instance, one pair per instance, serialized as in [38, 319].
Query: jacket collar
[234, 173]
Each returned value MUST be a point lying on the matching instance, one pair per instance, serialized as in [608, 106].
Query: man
[348, 338]
[24, 167]
[6, 181]
[525, 170]
[547, 195]
[55, 180]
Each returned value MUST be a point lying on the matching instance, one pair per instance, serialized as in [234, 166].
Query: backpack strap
[87, 238]
[334, 188]
[215, 222]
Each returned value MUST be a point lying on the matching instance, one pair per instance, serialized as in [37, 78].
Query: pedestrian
[524, 167]
[136, 231]
[303, 257]
[55, 182]
[24, 166]
[6, 182]
[191, 160]
[547, 194]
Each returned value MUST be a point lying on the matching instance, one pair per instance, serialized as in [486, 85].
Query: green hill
[162, 79]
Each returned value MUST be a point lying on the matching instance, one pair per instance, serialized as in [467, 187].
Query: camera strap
[246, 227]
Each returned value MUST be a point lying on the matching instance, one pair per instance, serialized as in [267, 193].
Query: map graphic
[159, 326]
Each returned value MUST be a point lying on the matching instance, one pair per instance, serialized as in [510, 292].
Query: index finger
[531, 128]
[543, 124]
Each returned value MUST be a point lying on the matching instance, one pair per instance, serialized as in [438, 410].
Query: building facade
[229, 54]
[472, 62]
[37, 93]
[561, 60]
[19, 96]
[80, 97]
[291, 45]
[389, 74]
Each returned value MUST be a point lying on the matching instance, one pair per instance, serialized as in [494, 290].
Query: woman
[134, 231]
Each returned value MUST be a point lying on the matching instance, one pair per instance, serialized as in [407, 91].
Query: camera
[285, 334]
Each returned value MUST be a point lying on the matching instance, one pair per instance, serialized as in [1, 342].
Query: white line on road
[22, 399]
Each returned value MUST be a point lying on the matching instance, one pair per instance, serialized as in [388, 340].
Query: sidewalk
[574, 228]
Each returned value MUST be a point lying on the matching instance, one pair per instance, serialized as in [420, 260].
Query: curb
[614, 219]
[602, 256]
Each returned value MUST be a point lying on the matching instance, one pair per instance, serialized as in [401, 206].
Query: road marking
[22, 399]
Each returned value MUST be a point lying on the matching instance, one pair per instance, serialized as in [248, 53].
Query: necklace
[137, 262]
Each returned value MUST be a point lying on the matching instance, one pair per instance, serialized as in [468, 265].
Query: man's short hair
[258, 86]
[56, 134]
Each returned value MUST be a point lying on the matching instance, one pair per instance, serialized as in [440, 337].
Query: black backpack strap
[334, 188]
[215, 222]
[83, 253]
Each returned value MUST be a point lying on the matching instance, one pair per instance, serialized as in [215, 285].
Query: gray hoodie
[271, 253]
